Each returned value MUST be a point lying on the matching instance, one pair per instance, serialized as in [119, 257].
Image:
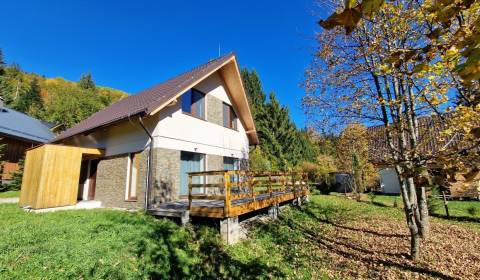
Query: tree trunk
[424, 215]
[411, 221]
[414, 243]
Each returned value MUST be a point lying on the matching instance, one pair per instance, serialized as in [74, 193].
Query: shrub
[259, 161]
[473, 211]
[17, 176]
[433, 203]
[372, 196]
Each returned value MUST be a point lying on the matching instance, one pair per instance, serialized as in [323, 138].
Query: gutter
[150, 159]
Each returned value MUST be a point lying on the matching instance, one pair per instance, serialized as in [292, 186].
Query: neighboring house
[18, 132]
[389, 182]
[197, 121]
[431, 142]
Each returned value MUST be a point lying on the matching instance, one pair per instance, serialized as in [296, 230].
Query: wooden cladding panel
[32, 175]
[51, 176]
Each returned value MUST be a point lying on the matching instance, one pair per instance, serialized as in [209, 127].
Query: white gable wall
[179, 131]
[173, 129]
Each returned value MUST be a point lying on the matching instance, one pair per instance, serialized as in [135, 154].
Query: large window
[229, 117]
[193, 103]
[132, 174]
[190, 162]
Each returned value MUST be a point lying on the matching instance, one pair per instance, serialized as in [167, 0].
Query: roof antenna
[219, 50]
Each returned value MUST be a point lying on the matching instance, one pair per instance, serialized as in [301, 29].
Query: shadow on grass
[168, 251]
[456, 218]
[338, 224]
[348, 250]
[357, 253]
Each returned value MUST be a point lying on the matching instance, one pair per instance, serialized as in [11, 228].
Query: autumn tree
[353, 157]
[370, 74]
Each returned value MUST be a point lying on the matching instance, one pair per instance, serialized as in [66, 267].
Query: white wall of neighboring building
[389, 181]
[173, 129]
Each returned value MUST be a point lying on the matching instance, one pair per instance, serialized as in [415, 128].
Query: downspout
[150, 159]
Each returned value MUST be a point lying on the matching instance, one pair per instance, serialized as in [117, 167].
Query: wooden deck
[223, 194]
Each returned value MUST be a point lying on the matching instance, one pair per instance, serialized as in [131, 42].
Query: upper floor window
[229, 117]
[193, 103]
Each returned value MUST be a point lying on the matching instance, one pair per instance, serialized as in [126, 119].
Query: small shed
[341, 182]
[51, 175]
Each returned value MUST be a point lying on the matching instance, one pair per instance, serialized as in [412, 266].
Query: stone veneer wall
[111, 181]
[214, 110]
[214, 162]
[166, 183]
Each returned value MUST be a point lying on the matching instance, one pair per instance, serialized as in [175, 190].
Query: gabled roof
[430, 139]
[19, 125]
[152, 100]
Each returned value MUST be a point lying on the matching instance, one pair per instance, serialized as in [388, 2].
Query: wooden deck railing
[242, 191]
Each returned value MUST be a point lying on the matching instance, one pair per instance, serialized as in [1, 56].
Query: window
[132, 172]
[193, 103]
[230, 163]
[229, 117]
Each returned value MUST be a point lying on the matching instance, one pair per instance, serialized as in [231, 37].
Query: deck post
[230, 230]
[185, 218]
[228, 201]
[189, 192]
[270, 190]
[273, 211]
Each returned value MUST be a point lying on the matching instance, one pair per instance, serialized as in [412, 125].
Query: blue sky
[132, 45]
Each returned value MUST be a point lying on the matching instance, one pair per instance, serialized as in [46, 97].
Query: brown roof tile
[429, 142]
[145, 101]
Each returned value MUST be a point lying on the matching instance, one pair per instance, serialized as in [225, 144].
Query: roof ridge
[141, 102]
[198, 67]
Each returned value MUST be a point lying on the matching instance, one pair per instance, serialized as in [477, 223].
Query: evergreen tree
[86, 82]
[2, 63]
[17, 177]
[31, 99]
[12, 84]
[254, 90]
[282, 144]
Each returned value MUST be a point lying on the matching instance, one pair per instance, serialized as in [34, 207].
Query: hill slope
[54, 100]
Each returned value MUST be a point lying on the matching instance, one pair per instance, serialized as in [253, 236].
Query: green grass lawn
[315, 242]
[9, 194]
[457, 208]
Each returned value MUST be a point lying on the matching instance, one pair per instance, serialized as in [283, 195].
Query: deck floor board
[215, 205]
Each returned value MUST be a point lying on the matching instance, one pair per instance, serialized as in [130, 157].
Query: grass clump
[473, 211]
[9, 194]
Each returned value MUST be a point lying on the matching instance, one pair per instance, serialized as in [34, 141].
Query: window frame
[232, 118]
[132, 165]
[193, 109]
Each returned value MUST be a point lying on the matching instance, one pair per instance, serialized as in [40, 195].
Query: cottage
[18, 132]
[431, 142]
[197, 121]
